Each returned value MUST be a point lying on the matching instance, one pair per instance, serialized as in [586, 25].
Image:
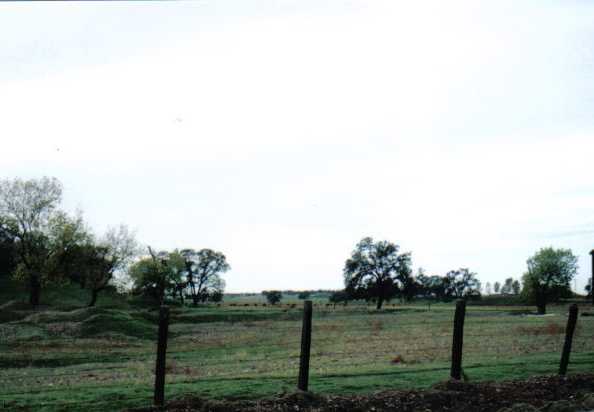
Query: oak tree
[94, 263]
[375, 271]
[461, 284]
[160, 275]
[273, 296]
[203, 270]
[548, 276]
[40, 232]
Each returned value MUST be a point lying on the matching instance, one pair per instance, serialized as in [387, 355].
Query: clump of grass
[251, 322]
[397, 359]
[187, 401]
[321, 351]
[377, 325]
[550, 328]
[169, 367]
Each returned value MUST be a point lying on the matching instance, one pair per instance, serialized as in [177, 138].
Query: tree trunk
[35, 295]
[94, 293]
[380, 301]
[541, 302]
[159, 298]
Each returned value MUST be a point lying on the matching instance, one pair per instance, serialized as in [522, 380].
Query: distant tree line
[40, 243]
[377, 272]
[510, 287]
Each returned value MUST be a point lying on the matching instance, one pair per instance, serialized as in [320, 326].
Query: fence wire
[352, 345]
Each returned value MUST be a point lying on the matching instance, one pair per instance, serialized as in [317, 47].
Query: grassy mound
[111, 322]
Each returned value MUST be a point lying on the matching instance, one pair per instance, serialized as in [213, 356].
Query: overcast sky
[282, 132]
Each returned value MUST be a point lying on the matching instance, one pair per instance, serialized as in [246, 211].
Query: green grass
[58, 296]
[70, 358]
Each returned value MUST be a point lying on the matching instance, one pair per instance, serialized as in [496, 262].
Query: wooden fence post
[592, 284]
[456, 371]
[305, 347]
[571, 322]
[161, 355]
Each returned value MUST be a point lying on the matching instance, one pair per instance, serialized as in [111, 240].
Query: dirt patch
[544, 393]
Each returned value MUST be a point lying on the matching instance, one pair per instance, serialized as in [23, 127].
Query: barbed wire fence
[370, 348]
[355, 348]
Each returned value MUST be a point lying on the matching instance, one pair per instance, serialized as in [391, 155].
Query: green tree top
[273, 296]
[375, 270]
[30, 216]
[548, 276]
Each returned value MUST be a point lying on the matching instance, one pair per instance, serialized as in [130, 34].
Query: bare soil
[543, 393]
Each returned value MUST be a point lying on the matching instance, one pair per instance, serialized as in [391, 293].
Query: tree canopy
[273, 296]
[160, 275]
[461, 284]
[40, 232]
[203, 270]
[548, 276]
[375, 270]
[182, 274]
[92, 264]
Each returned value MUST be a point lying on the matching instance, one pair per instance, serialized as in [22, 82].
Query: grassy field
[69, 358]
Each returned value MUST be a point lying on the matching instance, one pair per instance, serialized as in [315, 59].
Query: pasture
[102, 359]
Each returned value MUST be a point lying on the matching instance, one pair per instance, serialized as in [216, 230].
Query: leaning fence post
[161, 355]
[456, 370]
[571, 322]
[305, 347]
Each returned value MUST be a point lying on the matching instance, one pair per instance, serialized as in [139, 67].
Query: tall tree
[432, 287]
[339, 296]
[115, 250]
[7, 254]
[408, 283]
[303, 295]
[203, 270]
[176, 275]
[29, 215]
[507, 287]
[516, 287]
[461, 284]
[94, 263]
[147, 279]
[548, 276]
[160, 275]
[373, 270]
[273, 296]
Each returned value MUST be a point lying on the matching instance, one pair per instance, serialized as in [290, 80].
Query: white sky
[282, 132]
